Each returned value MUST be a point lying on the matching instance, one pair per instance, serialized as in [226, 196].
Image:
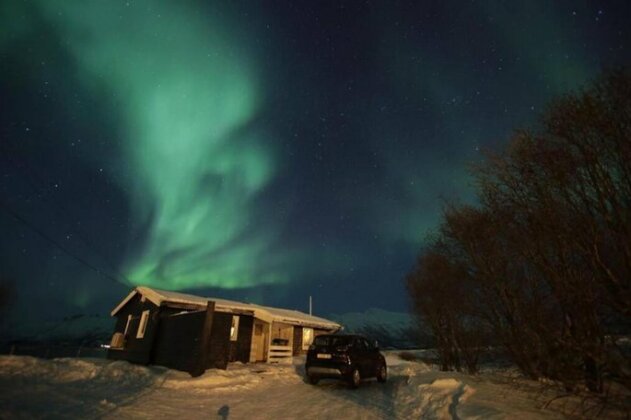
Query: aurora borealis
[262, 151]
[185, 113]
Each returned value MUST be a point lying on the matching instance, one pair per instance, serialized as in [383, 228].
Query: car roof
[342, 335]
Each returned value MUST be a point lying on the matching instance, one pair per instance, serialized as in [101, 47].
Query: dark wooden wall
[219, 352]
[179, 339]
[177, 343]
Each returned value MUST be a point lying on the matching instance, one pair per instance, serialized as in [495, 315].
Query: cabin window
[144, 320]
[307, 338]
[234, 329]
[127, 325]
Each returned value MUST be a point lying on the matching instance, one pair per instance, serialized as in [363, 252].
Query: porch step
[280, 354]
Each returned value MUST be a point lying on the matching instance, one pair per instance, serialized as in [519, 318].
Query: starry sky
[264, 150]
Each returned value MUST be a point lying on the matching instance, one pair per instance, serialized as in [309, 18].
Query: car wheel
[355, 378]
[313, 380]
[382, 373]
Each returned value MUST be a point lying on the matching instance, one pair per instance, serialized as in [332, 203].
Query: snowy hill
[391, 329]
[354, 321]
[87, 329]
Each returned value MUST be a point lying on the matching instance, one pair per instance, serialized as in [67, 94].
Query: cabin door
[260, 341]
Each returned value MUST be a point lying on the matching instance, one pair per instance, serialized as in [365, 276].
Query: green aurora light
[189, 93]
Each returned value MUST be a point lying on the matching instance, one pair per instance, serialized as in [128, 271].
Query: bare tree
[545, 259]
[440, 293]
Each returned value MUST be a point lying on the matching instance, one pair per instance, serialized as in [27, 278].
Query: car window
[333, 341]
[360, 344]
[369, 345]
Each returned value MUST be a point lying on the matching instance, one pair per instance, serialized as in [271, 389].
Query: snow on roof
[299, 318]
[265, 313]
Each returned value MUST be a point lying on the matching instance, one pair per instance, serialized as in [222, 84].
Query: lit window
[234, 329]
[144, 319]
[307, 338]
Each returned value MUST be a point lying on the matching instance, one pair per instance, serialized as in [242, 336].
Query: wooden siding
[177, 344]
[219, 352]
[283, 331]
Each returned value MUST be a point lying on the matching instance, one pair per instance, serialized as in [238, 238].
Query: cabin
[194, 333]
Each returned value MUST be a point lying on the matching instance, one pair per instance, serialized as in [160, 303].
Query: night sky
[266, 150]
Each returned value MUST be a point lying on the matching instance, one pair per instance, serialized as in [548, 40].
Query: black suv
[349, 357]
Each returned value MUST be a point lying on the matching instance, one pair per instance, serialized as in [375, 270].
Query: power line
[33, 179]
[42, 235]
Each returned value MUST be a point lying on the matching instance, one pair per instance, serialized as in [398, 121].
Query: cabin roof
[265, 313]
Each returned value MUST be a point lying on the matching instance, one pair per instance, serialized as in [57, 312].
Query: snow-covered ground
[97, 388]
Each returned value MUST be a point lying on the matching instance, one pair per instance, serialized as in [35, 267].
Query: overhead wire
[29, 178]
[47, 238]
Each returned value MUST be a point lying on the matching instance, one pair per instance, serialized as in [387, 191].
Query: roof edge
[147, 292]
[124, 302]
[258, 311]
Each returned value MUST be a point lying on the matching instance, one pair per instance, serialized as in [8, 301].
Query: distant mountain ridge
[80, 329]
[373, 316]
[391, 329]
